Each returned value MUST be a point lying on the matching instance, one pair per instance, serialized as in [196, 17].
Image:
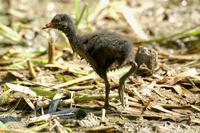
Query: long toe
[112, 109]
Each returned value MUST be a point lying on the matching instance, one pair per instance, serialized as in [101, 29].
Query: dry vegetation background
[166, 101]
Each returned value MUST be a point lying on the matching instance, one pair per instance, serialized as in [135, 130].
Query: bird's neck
[73, 38]
[77, 45]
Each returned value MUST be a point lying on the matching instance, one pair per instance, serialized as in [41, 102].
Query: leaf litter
[65, 95]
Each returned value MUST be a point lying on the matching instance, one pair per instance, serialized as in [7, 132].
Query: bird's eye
[58, 20]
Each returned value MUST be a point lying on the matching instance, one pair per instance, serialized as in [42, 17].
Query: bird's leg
[122, 81]
[136, 69]
[107, 89]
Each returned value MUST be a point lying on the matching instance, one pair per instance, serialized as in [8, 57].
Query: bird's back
[106, 48]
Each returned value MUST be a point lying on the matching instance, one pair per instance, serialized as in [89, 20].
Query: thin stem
[31, 69]
[81, 15]
[76, 9]
[51, 51]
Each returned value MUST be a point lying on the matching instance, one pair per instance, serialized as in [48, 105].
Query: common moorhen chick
[102, 49]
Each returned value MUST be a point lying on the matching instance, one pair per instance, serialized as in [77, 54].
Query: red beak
[49, 25]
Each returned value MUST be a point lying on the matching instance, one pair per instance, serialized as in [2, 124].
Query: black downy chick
[100, 49]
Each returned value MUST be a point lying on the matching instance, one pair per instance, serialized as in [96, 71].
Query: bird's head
[60, 22]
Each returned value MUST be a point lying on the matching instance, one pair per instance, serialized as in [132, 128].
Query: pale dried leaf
[22, 89]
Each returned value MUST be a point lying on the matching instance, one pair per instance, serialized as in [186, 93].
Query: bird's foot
[110, 108]
[106, 106]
